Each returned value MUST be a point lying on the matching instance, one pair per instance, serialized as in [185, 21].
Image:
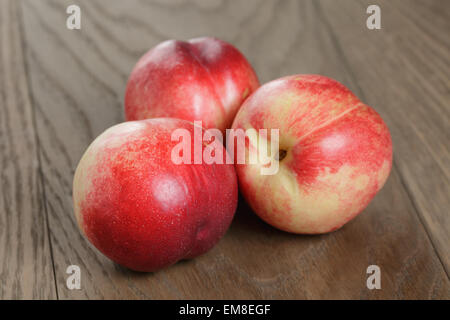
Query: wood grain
[78, 79]
[25, 259]
[404, 70]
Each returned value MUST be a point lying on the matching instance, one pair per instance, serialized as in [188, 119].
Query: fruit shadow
[246, 226]
[124, 271]
[246, 220]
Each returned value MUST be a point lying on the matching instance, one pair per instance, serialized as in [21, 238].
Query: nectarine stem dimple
[281, 154]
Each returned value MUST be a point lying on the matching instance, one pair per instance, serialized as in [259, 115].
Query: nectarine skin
[338, 154]
[139, 208]
[203, 79]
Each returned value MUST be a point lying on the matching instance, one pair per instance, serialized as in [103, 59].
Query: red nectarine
[335, 154]
[142, 210]
[202, 79]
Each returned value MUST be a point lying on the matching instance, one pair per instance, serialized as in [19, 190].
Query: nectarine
[335, 154]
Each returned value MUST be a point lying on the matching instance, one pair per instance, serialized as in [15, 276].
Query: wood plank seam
[416, 209]
[37, 141]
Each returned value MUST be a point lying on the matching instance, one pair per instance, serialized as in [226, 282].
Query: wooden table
[60, 88]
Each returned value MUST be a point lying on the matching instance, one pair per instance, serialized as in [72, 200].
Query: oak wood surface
[25, 259]
[410, 57]
[70, 86]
